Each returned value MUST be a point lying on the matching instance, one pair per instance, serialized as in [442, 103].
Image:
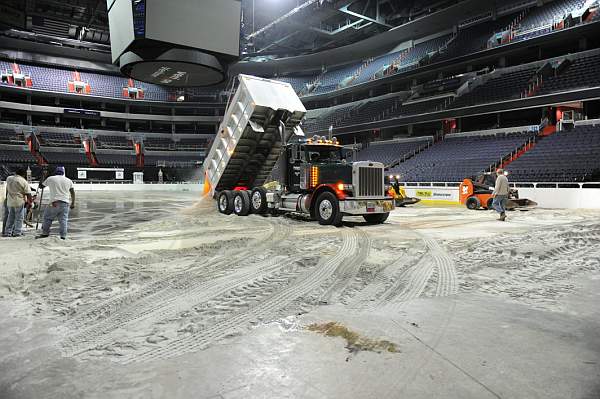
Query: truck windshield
[324, 154]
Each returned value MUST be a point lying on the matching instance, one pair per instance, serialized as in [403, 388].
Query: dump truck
[261, 136]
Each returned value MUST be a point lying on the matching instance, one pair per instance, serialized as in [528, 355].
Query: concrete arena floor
[158, 296]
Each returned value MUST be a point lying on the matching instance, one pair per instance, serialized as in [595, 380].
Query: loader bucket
[406, 201]
[520, 203]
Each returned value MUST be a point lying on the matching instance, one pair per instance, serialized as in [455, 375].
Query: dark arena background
[300, 199]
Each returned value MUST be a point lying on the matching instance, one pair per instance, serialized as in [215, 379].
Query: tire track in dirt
[447, 281]
[157, 311]
[395, 272]
[347, 271]
[269, 307]
[176, 280]
[167, 293]
[413, 280]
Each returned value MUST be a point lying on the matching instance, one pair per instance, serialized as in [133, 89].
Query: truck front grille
[370, 182]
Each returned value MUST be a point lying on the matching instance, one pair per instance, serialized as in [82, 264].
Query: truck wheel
[376, 218]
[241, 203]
[328, 210]
[473, 203]
[258, 201]
[225, 202]
[489, 204]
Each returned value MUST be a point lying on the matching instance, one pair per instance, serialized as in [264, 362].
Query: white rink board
[182, 187]
[554, 198]
[194, 187]
[435, 195]
[570, 198]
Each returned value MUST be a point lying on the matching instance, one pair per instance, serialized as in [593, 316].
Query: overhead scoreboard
[176, 43]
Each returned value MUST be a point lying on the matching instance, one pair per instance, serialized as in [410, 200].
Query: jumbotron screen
[150, 28]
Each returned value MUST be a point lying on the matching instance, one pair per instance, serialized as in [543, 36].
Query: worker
[4, 214]
[62, 199]
[500, 194]
[29, 208]
[17, 192]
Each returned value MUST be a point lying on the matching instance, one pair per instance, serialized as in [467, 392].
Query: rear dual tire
[241, 203]
[225, 202]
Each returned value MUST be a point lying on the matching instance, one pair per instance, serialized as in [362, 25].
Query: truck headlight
[344, 187]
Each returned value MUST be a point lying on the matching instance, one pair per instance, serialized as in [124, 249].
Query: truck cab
[313, 162]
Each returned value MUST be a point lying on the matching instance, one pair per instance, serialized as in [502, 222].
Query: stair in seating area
[547, 131]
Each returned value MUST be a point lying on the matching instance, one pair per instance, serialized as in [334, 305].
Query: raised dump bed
[249, 140]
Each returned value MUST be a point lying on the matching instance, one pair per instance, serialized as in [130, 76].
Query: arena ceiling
[270, 28]
[277, 28]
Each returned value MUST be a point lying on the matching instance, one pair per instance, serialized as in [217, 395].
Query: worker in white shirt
[62, 199]
[17, 193]
[500, 194]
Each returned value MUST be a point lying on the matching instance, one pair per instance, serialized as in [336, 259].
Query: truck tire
[258, 200]
[241, 203]
[225, 202]
[473, 203]
[489, 204]
[376, 218]
[327, 209]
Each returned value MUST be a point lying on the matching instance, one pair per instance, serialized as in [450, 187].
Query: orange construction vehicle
[476, 193]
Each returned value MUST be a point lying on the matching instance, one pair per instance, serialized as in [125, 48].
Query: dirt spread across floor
[149, 282]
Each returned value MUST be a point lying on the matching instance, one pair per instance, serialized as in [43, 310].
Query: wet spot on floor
[355, 342]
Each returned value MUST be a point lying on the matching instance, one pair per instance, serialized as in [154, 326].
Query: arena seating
[468, 40]
[58, 139]
[298, 82]
[107, 141]
[56, 79]
[565, 156]
[506, 86]
[390, 151]
[114, 159]
[373, 110]
[583, 72]
[369, 111]
[387, 64]
[105, 85]
[421, 107]
[9, 136]
[472, 39]
[15, 155]
[63, 157]
[438, 87]
[459, 156]
[171, 159]
[330, 80]
[46, 78]
[191, 143]
[550, 13]
[158, 143]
